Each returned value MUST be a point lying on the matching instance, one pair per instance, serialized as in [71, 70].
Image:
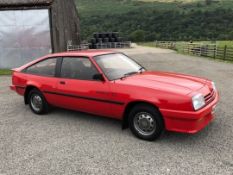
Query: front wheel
[146, 122]
[37, 102]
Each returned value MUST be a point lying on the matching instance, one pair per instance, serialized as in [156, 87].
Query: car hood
[166, 81]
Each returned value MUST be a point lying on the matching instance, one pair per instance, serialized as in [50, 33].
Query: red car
[111, 84]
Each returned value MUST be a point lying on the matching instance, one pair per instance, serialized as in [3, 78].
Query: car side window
[78, 68]
[45, 68]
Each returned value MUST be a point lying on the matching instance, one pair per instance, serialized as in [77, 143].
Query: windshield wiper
[133, 72]
[141, 69]
[130, 73]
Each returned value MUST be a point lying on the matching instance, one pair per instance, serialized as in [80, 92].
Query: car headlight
[198, 101]
[213, 85]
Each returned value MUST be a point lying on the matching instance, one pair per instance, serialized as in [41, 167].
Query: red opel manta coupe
[111, 84]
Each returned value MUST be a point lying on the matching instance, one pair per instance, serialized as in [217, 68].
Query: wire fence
[125, 44]
[71, 47]
[114, 45]
[199, 49]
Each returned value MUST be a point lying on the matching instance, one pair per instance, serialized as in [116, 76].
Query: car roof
[85, 53]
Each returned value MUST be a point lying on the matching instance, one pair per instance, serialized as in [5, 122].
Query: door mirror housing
[98, 77]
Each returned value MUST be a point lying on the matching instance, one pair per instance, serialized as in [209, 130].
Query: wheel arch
[130, 106]
[27, 90]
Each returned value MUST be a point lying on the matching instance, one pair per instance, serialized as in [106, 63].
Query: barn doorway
[24, 35]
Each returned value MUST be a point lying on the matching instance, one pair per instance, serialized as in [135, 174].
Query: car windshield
[117, 65]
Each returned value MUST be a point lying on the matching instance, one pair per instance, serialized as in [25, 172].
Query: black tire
[112, 39]
[155, 119]
[94, 46]
[43, 108]
[93, 41]
[115, 34]
[99, 40]
[96, 35]
[106, 40]
[120, 39]
[109, 35]
[103, 35]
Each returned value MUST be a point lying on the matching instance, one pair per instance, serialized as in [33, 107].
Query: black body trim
[58, 67]
[20, 87]
[86, 98]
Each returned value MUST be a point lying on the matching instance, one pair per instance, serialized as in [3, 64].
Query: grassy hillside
[92, 7]
[148, 20]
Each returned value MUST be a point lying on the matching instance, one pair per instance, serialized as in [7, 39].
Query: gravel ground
[67, 142]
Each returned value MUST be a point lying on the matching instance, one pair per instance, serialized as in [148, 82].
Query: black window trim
[59, 67]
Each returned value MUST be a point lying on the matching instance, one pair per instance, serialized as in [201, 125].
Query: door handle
[62, 82]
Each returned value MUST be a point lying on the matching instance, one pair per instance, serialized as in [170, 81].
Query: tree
[138, 35]
[208, 2]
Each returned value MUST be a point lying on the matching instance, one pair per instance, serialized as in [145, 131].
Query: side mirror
[98, 77]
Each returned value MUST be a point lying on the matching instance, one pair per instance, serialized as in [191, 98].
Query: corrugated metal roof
[9, 3]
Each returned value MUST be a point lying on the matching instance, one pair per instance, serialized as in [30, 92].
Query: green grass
[225, 43]
[5, 72]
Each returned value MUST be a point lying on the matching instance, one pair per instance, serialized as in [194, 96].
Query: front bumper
[189, 121]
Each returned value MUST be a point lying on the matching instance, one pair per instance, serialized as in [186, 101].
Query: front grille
[209, 97]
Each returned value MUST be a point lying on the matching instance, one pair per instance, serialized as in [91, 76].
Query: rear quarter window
[46, 68]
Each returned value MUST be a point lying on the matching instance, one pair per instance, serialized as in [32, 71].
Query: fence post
[183, 47]
[225, 52]
[200, 48]
[188, 48]
[215, 50]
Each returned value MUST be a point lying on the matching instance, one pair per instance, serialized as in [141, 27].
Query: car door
[78, 90]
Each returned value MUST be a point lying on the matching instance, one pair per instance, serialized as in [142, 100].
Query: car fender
[30, 85]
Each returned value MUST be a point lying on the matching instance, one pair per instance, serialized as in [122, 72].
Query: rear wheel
[37, 102]
[146, 122]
